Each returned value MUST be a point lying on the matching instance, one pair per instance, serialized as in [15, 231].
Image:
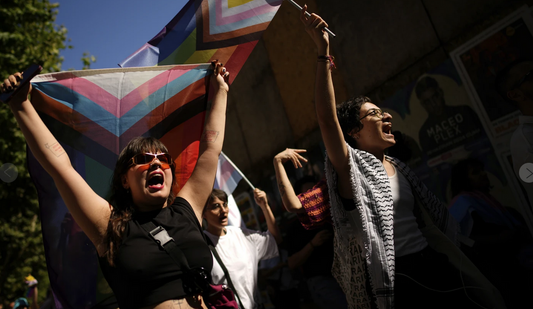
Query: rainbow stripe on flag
[204, 30]
[94, 114]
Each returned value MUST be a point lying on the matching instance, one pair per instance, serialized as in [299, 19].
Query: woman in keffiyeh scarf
[383, 256]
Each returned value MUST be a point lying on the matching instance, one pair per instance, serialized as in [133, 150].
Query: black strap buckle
[161, 236]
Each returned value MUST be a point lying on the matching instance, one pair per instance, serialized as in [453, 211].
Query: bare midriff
[190, 302]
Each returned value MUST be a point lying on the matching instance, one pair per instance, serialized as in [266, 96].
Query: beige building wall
[381, 46]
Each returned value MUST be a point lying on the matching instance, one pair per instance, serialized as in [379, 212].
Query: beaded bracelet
[328, 58]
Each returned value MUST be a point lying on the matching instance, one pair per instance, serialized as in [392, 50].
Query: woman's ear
[354, 133]
[125, 184]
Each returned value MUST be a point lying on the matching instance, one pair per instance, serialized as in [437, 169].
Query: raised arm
[90, 211]
[325, 103]
[200, 184]
[289, 198]
[261, 200]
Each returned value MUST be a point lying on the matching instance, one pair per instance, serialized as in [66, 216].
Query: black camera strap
[226, 273]
[160, 235]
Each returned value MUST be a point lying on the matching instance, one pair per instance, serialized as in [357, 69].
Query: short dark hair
[502, 79]
[220, 194]
[424, 84]
[348, 113]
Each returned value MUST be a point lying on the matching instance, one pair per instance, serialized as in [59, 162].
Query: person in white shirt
[240, 249]
[515, 84]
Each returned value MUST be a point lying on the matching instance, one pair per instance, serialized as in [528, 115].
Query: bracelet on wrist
[327, 58]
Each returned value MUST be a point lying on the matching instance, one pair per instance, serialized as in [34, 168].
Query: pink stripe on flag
[142, 92]
[229, 177]
[226, 170]
[110, 102]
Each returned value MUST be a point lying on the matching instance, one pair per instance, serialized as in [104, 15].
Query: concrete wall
[381, 46]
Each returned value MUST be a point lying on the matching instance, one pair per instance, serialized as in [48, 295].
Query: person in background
[382, 256]
[502, 245]
[240, 250]
[21, 303]
[310, 251]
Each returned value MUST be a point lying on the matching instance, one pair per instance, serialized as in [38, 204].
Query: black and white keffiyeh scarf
[368, 229]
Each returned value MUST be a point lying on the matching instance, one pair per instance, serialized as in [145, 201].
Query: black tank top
[145, 274]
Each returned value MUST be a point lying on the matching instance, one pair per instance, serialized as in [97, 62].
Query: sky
[111, 30]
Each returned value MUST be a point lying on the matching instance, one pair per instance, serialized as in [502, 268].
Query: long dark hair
[123, 207]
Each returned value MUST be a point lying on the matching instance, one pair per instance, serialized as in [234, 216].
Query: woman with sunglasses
[240, 249]
[140, 273]
[382, 257]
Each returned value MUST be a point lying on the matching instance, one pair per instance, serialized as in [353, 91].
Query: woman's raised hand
[292, 155]
[220, 75]
[314, 26]
[11, 83]
[260, 197]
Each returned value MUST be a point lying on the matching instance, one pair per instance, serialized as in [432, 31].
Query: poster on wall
[436, 126]
[481, 59]
[248, 211]
[480, 62]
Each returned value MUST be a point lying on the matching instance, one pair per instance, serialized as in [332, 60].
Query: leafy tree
[28, 34]
[87, 59]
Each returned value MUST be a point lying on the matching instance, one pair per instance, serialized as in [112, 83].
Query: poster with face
[480, 62]
[435, 126]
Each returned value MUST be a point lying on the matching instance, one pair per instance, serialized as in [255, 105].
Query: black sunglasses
[148, 158]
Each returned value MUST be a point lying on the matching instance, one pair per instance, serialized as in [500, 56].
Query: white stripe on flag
[227, 177]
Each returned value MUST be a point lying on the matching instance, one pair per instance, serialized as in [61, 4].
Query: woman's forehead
[368, 106]
[154, 150]
[216, 200]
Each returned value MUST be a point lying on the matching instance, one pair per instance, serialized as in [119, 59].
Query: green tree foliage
[87, 59]
[28, 34]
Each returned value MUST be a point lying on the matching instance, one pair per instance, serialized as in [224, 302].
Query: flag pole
[296, 5]
[238, 170]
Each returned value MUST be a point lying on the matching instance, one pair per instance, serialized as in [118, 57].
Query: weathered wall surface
[381, 46]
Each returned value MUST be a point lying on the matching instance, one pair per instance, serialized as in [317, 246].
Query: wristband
[327, 58]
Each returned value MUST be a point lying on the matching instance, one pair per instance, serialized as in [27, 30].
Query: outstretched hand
[314, 26]
[11, 84]
[220, 75]
[292, 155]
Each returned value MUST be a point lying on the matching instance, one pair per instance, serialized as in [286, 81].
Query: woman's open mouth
[156, 181]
